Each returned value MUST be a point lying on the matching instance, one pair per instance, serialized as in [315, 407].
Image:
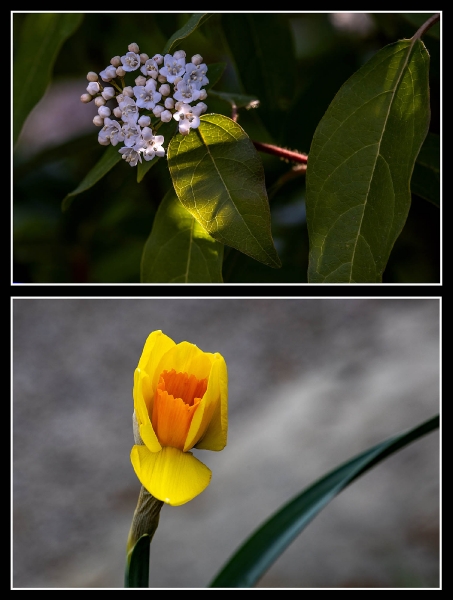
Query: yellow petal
[156, 345]
[139, 392]
[209, 427]
[149, 438]
[142, 406]
[172, 476]
[184, 358]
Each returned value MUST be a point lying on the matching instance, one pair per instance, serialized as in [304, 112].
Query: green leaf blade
[264, 546]
[42, 36]
[107, 161]
[195, 21]
[361, 162]
[425, 180]
[219, 179]
[178, 249]
[137, 567]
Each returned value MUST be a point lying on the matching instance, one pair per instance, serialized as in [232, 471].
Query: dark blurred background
[311, 384]
[101, 238]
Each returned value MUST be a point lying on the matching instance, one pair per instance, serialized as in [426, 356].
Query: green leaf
[40, 41]
[108, 160]
[263, 547]
[137, 567]
[219, 178]
[425, 180]
[195, 21]
[360, 165]
[267, 68]
[178, 249]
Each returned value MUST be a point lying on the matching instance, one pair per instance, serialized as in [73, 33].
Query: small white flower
[131, 61]
[199, 109]
[140, 80]
[108, 93]
[153, 147]
[187, 92]
[131, 156]
[104, 111]
[150, 68]
[131, 133]
[93, 88]
[147, 97]
[203, 95]
[110, 133]
[157, 110]
[144, 121]
[197, 59]
[108, 73]
[169, 103]
[196, 74]
[158, 58]
[165, 116]
[173, 67]
[187, 119]
[147, 134]
[179, 54]
[129, 110]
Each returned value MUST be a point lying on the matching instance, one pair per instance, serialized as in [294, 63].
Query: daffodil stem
[143, 528]
[145, 519]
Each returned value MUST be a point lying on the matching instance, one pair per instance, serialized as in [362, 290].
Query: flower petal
[172, 476]
[209, 427]
[142, 399]
[184, 358]
[156, 345]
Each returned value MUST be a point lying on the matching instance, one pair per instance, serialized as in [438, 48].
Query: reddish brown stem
[297, 157]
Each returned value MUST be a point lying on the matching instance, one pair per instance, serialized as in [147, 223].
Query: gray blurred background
[312, 382]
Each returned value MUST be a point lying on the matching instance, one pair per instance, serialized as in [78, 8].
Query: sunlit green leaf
[195, 21]
[219, 179]
[264, 546]
[37, 48]
[178, 249]
[425, 180]
[360, 165]
[108, 160]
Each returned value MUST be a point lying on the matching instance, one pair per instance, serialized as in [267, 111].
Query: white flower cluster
[165, 91]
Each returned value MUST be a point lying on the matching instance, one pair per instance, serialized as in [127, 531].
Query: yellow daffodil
[180, 403]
